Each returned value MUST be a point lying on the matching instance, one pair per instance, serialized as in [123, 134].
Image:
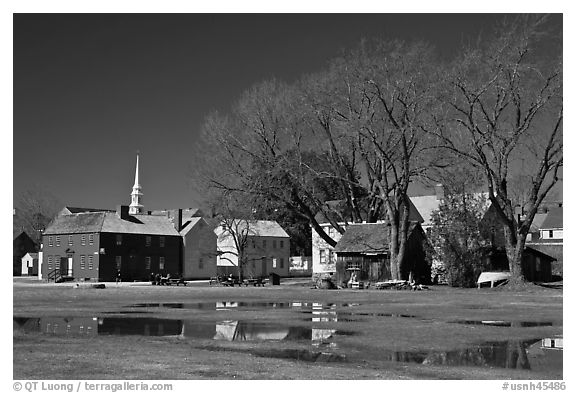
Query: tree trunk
[394, 266]
[514, 246]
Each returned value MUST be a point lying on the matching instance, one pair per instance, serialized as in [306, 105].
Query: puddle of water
[504, 323]
[537, 354]
[235, 305]
[231, 330]
[515, 354]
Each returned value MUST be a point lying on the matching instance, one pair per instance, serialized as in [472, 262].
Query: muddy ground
[273, 332]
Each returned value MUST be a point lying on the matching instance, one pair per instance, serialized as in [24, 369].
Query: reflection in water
[224, 330]
[536, 354]
[504, 323]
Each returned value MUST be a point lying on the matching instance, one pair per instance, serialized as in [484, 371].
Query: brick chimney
[122, 212]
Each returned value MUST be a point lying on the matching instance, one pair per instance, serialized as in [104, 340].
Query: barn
[364, 249]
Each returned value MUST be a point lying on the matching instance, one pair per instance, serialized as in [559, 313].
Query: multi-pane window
[281, 263]
[550, 234]
[91, 238]
[274, 263]
[49, 262]
[83, 240]
[264, 243]
[148, 241]
[82, 262]
[57, 241]
[200, 264]
[118, 262]
[56, 262]
[281, 243]
[353, 266]
[118, 240]
[162, 241]
[70, 240]
[273, 243]
[50, 241]
[90, 262]
[148, 262]
[253, 243]
[161, 263]
[323, 256]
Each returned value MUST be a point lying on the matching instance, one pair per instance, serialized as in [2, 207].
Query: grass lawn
[383, 323]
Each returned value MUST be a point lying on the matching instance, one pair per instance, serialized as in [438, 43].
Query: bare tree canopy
[34, 208]
[388, 114]
[504, 116]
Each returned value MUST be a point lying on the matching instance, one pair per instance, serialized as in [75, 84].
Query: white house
[267, 248]
[30, 264]
[553, 227]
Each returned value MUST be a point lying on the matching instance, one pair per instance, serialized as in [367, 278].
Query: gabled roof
[139, 224]
[109, 222]
[367, 238]
[425, 205]
[340, 212]
[257, 228]
[553, 219]
[33, 255]
[537, 221]
[191, 223]
[76, 223]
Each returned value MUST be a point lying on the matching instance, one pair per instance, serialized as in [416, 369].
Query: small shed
[364, 249]
[536, 265]
[30, 264]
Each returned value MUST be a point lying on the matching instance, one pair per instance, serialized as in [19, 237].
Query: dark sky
[92, 89]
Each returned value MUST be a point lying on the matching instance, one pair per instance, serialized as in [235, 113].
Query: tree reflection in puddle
[536, 354]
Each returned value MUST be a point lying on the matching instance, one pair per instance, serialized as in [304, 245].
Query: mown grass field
[430, 327]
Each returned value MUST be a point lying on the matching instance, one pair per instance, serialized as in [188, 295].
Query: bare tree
[505, 104]
[34, 208]
[265, 149]
[387, 92]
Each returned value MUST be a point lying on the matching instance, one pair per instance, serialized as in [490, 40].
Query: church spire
[136, 206]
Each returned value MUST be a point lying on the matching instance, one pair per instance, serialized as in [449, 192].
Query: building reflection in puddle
[230, 330]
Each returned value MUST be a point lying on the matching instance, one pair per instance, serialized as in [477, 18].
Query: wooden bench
[173, 281]
[254, 281]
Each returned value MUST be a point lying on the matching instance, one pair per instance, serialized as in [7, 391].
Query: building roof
[539, 253]
[425, 205]
[340, 212]
[537, 221]
[189, 224]
[367, 238]
[76, 223]
[258, 228]
[33, 255]
[139, 224]
[109, 222]
[553, 219]
[74, 210]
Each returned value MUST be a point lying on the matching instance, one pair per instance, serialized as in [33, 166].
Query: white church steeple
[136, 206]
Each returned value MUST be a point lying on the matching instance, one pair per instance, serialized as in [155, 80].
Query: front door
[64, 266]
[264, 267]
